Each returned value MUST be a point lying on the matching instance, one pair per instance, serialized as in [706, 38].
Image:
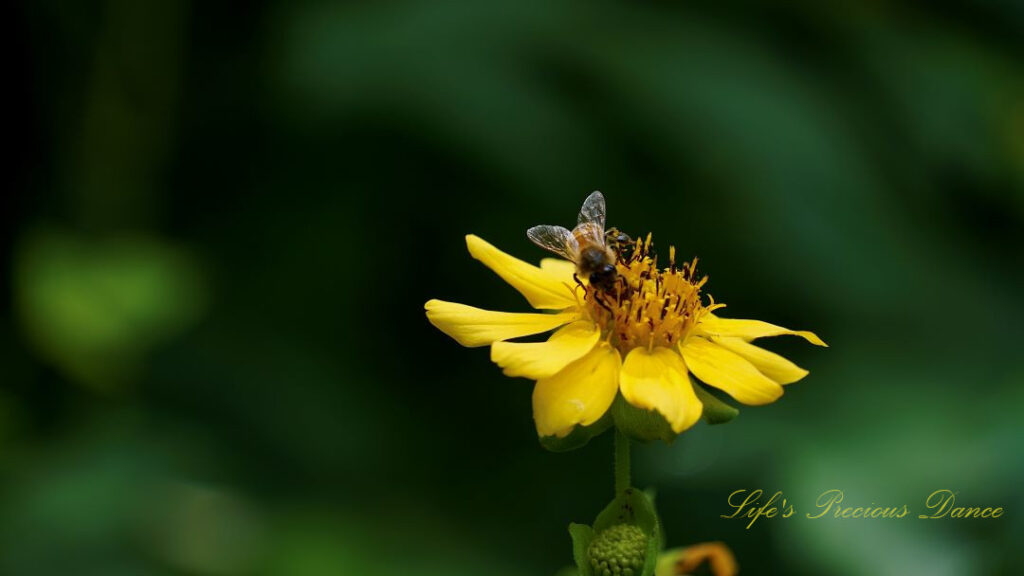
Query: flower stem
[622, 481]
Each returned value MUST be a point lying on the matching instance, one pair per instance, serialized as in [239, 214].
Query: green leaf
[715, 411]
[95, 308]
[581, 536]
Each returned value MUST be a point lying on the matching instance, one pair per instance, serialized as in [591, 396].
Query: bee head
[604, 277]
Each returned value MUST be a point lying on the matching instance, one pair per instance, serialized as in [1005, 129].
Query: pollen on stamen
[650, 306]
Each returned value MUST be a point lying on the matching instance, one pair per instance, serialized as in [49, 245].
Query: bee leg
[580, 284]
[599, 300]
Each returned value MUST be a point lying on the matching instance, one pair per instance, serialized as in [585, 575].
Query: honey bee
[587, 245]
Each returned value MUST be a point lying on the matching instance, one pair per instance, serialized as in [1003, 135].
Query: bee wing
[590, 224]
[593, 211]
[556, 239]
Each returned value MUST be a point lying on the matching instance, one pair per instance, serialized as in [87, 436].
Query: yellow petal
[749, 329]
[657, 380]
[561, 269]
[729, 372]
[536, 360]
[542, 289]
[578, 395]
[768, 363]
[471, 326]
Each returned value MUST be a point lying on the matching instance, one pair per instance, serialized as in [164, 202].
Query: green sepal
[581, 536]
[715, 411]
[631, 507]
[657, 543]
[667, 562]
[654, 546]
[579, 436]
[640, 424]
[637, 508]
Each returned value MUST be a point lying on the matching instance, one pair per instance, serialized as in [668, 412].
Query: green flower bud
[625, 539]
[618, 551]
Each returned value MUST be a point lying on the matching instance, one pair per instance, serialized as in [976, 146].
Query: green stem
[622, 481]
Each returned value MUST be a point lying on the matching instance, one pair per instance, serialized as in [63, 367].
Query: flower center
[618, 551]
[649, 306]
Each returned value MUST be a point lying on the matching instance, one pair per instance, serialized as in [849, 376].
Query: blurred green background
[225, 220]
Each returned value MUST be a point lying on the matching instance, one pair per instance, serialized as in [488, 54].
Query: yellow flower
[644, 341]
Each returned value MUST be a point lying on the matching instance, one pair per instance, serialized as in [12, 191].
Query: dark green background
[225, 220]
